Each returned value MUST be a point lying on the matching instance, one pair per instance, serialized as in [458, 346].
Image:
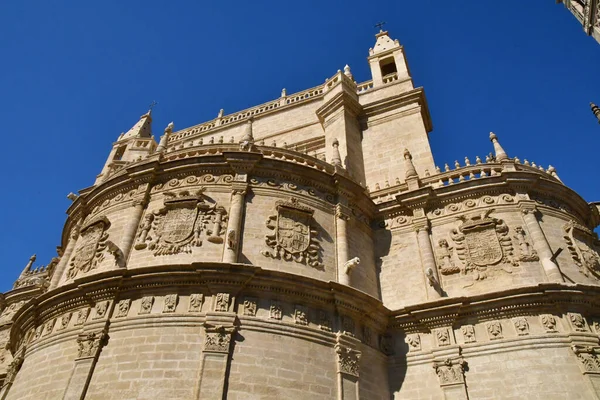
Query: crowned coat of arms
[91, 246]
[483, 245]
[293, 238]
[180, 225]
[584, 247]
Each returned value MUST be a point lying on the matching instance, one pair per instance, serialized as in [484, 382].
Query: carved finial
[552, 172]
[409, 168]
[446, 167]
[220, 115]
[533, 164]
[467, 161]
[72, 196]
[517, 160]
[456, 164]
[525, 162]
[437, 169]
[336, 159]
[247, 142]
[347, 72]
[596, 111]
[164, 138]
[500, 153]
[29, 265]
[477, 160]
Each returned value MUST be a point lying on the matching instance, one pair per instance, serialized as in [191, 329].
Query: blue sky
[76, 74]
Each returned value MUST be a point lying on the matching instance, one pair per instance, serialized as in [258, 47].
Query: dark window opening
[388, 66]
[119, 153]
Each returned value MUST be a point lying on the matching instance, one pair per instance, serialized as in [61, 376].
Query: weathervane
[380, 25]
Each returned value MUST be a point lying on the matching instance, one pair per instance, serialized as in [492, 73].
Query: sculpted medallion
[180, 224]
[483, 245]
[90, 250]
[584, 247]
[293, 237]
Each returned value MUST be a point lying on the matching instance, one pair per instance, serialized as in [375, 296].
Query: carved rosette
[301, 315]
[577, 322]
[196, 300]
[293, 238]
[250, 306]
[275, 311]
[218, 338]
[82, 316]
[521, 326]
[90, 250]
[584, 247]
[348, 360]
[101, 309]
[483, 245]
[123, 308]
[548, 322]
[170, 303]
[181, 224]
[413, 341]
[494, 330]
[468, 332]
[91, 343]
[146, 305]
[222, 302]
[450, 371]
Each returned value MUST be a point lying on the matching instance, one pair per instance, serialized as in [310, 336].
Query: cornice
[416, 95]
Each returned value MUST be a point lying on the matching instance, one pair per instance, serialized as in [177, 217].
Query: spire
[500, 153]
[247, 142]
[164, 138]
[336, 159]
[27, 268]
[143, 128]
[410, 171]
[596, 111]
[383, 43]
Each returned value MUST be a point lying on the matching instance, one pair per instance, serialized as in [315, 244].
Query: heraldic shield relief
[90, 250]
[584, 247]
[179, 226]
[483, 246]
[293, 239]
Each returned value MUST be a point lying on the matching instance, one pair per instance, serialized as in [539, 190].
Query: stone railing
[384, 192]
[277, 153]
[364, 86]
[390, 78]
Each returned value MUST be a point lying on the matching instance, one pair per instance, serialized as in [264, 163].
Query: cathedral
[310, 248]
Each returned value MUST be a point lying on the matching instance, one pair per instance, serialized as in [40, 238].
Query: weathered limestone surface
[309, 247]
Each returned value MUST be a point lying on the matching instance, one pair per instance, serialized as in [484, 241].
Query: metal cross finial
[380, 25]
[154, 103]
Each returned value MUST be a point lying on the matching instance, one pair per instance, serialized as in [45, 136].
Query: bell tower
[387, 60]
[135, 144]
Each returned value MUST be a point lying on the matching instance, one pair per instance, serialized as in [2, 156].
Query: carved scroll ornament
[181, 224]
[293, 237]
[584, 247]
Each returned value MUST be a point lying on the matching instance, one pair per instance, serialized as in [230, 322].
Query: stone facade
[587, 13]
[309, 247]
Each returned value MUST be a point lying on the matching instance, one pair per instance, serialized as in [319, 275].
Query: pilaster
[348, 363]
[430, 271]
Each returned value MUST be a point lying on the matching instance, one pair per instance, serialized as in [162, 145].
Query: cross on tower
[380, 25]
[154, 103]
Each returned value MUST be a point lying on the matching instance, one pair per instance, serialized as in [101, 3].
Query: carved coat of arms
[584, 247]
[483, 245]
[179, 226]
[293, 237]
[90, 250]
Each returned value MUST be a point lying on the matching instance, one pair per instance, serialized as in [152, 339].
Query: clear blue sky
[76, 74]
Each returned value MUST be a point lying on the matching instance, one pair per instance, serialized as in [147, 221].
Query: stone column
[219, 329]
[430, 270]
[64, 259]
[451, 373]
[131, 227]
[342, 215]
[11, 373]
[90, 345]
[234, 227]
[348, 361]
[540, 244]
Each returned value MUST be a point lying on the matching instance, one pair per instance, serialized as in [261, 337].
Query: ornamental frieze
[450, 371]
[482, 245]
[292, 187]
[192, 180]
[584, 247]
[470, 204]
[293, 237]
[91, 247]
[181, 224]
